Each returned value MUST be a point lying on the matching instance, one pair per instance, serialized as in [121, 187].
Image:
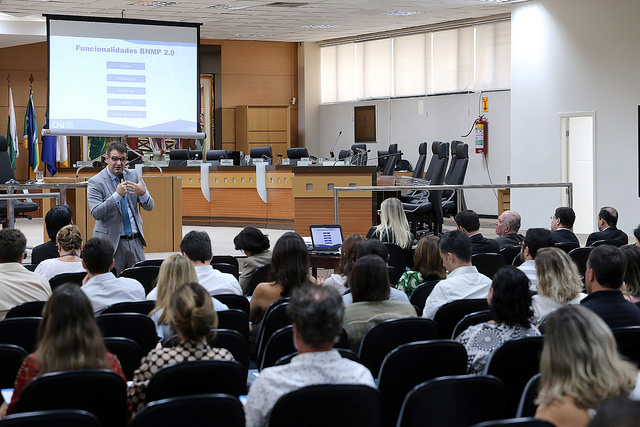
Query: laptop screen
[326, 236]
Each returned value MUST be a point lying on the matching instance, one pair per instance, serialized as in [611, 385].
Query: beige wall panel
[241, 89]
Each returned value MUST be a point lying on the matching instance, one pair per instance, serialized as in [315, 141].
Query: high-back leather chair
[421, 162]
[262, 153]
[390, 166]
[449, 204]
[360, 156]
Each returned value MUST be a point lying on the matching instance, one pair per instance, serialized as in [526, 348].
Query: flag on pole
[61, 152]
[30, 137]
[49, 153]
[12, 133]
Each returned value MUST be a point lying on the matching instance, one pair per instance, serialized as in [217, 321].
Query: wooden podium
[162, 226]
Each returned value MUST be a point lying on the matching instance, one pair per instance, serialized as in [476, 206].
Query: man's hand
[121, 189]
[133, 188]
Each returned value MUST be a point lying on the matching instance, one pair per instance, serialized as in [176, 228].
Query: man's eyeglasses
[118, 159]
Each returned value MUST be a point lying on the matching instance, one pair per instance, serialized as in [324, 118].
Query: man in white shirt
[463, 281]
[317, 313]
[196, 245]
[534, 240]
[101, 286]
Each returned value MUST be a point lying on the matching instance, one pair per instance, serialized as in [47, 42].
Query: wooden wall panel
[243, 89]
[281, 205]
[228, 126]
[245, 204]
[355, 214]
[194, 202]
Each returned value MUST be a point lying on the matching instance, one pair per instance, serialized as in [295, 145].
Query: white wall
[575, 56]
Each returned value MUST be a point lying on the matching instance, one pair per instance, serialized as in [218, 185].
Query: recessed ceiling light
[226, 7]
[286, 4]
[153, 3]
[319, 26]
[249, 35]
[401, 13]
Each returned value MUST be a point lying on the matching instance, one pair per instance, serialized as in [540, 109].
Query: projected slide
[110, 78]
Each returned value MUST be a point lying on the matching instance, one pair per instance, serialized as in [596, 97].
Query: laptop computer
[326, 238]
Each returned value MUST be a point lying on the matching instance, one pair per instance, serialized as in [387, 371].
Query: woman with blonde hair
[580, 368]
[559, 282]
[175, 271]
[69, 243]
[394, 227]
[427, 265]
[348, 256]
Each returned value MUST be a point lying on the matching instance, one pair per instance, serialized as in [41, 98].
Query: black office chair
[128, 353]
[146, 275]
[11, 358]
[567, 246]
[421, 293]
[30, 267]
[487, 264]
[261, 274]
[343, 154]
[612, 242]
[279, 345]
[20, 331]
[226, 259]
[449, 203]
[579, 257]
[226, 268]
[511, 255]
[435, 151]
[26, 309]
[134, 157]
[382, 160]
[413, 363]
[274, 318]
[53, 418]
[398, 258]
[459, 400]
[296, 153]
[197, 377]
[628, 340]
[216, 155]
[360, 156]
[7, 174]
[527, 406]
[448, 315]
[470, 320]
[200, 410]
[146, 262]
[99, 391]
[178, 157]
[234, 301]
[141, 307]
[135, 326]
[235, 319]
[392, 160]
[516, 422]
[389, 334]
[61, 279]
[328, 405]
[264, 153]
[454, 159]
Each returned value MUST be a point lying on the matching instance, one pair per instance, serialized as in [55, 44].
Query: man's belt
[132, 237]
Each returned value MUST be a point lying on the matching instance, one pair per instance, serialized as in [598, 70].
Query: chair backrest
[567, 246]
[20, 331]
[11, 358]
[628, 340]
[227, 259]
[382, 159]
[448, 315]
[421, 293]
[235, 319]
[297, 152]
[226, 268]
[459, 171]
[135, 326]
[392, 160]
[413, 363]
[259, 275]
[360, 156]
[527, 406]
[128, 352]
[389, 334]
[516, 422]
[218, 154]
[515, 362]
[487, 264]
[343, 154]
[612, 242]
[178, 157]
[398, 260]
[344, 352]
[274, 318]
[470, 320]
[435, 150]
[99, 391]
[53, 418]
[197, 377]
[261, 153]
[61, 279]
[141, 307]
[146, 275]
[580, 256]
[459, 400]
[453, 161]
[200, 410]
[279, 345]
[418, 171]
[157, 262]
[234, 301]
[229, 339]
[6, 170]
[510, 254]
[30, 267]
[26, 309]
[328, 404]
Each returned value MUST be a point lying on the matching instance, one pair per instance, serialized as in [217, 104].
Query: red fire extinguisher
[482, 130]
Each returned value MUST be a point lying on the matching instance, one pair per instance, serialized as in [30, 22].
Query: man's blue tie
[125, 216]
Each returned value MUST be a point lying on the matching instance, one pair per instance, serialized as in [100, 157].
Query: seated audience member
[561, 225]
[175, 271]
[394, 227]
[618, 412]
[607, 221]
[636, 234]
[469, 222]
[57, 217]
[316, 313]
[534, 240]
[100, 285]
[510, 304]
[377, 248]
[463, 281]
[290, 268]
[255, 246]
[427, 265]
[559, 282]
[369, 284]
[631, 287]
[507, 227]
[196, 245]
[17, 284]
[580, 368]
[69, 339]
[603, 279]
[348, 255]
[69, 244]
[191, 315]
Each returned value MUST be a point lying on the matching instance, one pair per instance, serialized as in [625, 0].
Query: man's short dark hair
[566, 216]
[196, 245]
[610, 216]
[317, 312]
[457, 243]
[251, 239]
[57, 217]
[636, 233]
[468, 220]
[609, 264]
[536, 239]
[373, 247]
[12, 245]
[97, 255]
[119, 146]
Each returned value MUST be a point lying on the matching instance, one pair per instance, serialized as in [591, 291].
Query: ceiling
[289, 20]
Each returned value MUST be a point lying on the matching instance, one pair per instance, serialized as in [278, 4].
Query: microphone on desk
[279, 155]
[331, 153]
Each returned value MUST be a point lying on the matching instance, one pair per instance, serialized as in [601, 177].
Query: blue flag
[30, 138]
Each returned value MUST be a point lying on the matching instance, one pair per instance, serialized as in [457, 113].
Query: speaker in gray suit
[115, 195]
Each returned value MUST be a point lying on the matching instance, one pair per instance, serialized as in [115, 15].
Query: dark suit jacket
[509, 240]
[563, 235]
[44, 251]
[613, 308]
[482, 245]
[611, 233]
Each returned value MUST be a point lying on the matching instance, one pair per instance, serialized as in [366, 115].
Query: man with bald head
[507, 227]
[607, 221]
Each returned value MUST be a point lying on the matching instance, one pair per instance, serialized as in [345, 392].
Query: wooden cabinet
[261, 125]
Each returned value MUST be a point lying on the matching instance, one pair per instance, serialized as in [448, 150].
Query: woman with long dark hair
[348, 255]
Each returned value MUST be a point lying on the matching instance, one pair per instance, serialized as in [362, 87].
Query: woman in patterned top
[191, 315]
[510, 304]
[427, 265]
